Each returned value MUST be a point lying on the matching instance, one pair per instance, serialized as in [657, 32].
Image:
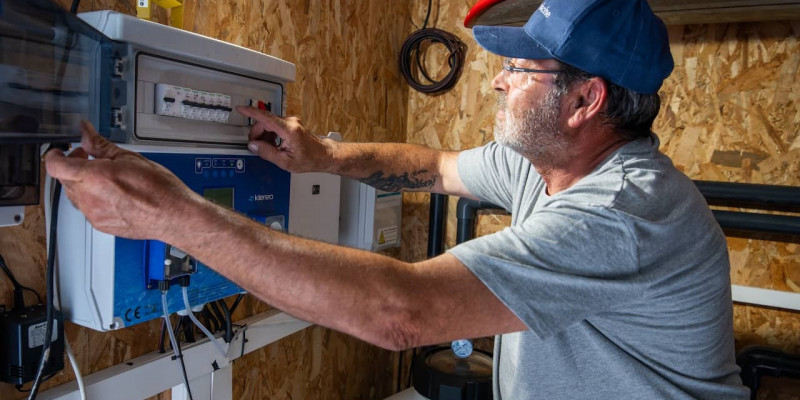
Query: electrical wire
[75, 369]
[70, 354]
[175, 348]
[51, 256]
[217, 314]
[236, 302]
[18, 288]
[410, 55]
[188, 332]
[74, 8]
[427, 14]
[210, 320]
[228, 322]
[162, 334]
[185, 291]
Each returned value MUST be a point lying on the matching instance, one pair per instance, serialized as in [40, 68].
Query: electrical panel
[172, 100]
[370, 218]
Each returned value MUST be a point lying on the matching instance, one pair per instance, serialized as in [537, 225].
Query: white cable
[49, 182]
[208, 334]
[74, 363]
[174, 342]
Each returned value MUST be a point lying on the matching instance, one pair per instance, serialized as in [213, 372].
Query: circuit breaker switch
[261, 105]
[177, 101]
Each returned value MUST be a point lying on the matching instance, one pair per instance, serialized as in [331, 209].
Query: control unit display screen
[221, 196]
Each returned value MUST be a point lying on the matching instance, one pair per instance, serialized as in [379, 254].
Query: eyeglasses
[520, 80]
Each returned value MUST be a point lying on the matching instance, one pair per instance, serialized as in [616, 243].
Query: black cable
[218, 315]
[236, 302]
[45, 379]
[410, 55]
[48, 327]
[178, 327]
[413, 360]
[427, 15]
[74, 8]
[183, 370]
[19, 300]
[227, 313]
[244, 341]
[188, 329]
[400, 371]
[176, 347]
[210, 321]
[161, 347]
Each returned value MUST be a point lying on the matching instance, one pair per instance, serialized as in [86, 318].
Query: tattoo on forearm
[395, 183]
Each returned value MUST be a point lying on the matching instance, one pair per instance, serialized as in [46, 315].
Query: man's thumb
[264, 149]
[94, 144]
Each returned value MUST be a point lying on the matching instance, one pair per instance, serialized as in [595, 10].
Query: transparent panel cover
[49, 72]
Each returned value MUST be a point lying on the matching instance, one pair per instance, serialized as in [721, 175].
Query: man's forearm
[311, 280]
[390, 166]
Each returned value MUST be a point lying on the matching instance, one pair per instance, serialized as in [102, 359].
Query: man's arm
[386, 166]
[381, 300]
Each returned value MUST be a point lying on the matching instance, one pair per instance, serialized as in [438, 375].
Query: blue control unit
[247, 184]
[121, 275]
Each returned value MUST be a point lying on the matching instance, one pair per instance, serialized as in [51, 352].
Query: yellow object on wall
[175, 8]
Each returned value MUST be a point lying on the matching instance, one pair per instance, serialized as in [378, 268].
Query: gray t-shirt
[622, 279]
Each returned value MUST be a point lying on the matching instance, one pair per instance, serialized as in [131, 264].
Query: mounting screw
[17, 218]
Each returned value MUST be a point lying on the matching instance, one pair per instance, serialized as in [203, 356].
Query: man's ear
[586, 101]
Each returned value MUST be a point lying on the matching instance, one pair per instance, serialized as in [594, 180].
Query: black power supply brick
[22, 333]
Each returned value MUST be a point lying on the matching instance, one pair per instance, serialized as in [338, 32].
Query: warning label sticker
[387, 235]
[36, 334]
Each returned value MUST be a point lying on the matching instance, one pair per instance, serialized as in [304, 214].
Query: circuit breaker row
[176, 101]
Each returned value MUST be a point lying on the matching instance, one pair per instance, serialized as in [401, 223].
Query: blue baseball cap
[619, 40]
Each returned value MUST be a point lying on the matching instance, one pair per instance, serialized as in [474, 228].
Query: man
[612, 281]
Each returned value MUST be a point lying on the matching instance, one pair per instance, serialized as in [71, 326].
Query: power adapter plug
[22, 334]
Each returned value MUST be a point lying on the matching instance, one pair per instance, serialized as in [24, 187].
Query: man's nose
[499, 82]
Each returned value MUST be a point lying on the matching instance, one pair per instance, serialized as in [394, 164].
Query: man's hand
[119, 191]
[286, 142]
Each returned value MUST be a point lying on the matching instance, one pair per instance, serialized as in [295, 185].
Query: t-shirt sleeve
[560, 266]
[487, 172]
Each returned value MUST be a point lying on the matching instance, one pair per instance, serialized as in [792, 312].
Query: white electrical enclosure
[314, 204]
[202, 78]
[176, 92]
[370, 218]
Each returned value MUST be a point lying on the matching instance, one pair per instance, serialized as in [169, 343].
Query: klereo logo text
[262, 197]
[544, 10]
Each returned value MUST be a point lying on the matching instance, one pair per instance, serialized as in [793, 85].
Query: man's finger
[272, 122]
[62, 168]
[257, 131]
[96, 145]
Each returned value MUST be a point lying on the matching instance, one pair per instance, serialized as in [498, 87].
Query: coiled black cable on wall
[410, 55]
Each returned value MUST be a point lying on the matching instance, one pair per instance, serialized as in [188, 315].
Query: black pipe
[757, 361]
[744, 194]
[466, 214]
[754, 222]
[436, 218]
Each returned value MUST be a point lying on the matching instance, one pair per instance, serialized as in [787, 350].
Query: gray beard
[534, 132]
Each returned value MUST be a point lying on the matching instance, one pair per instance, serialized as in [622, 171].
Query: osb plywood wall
[730, 112]
[347, 81]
